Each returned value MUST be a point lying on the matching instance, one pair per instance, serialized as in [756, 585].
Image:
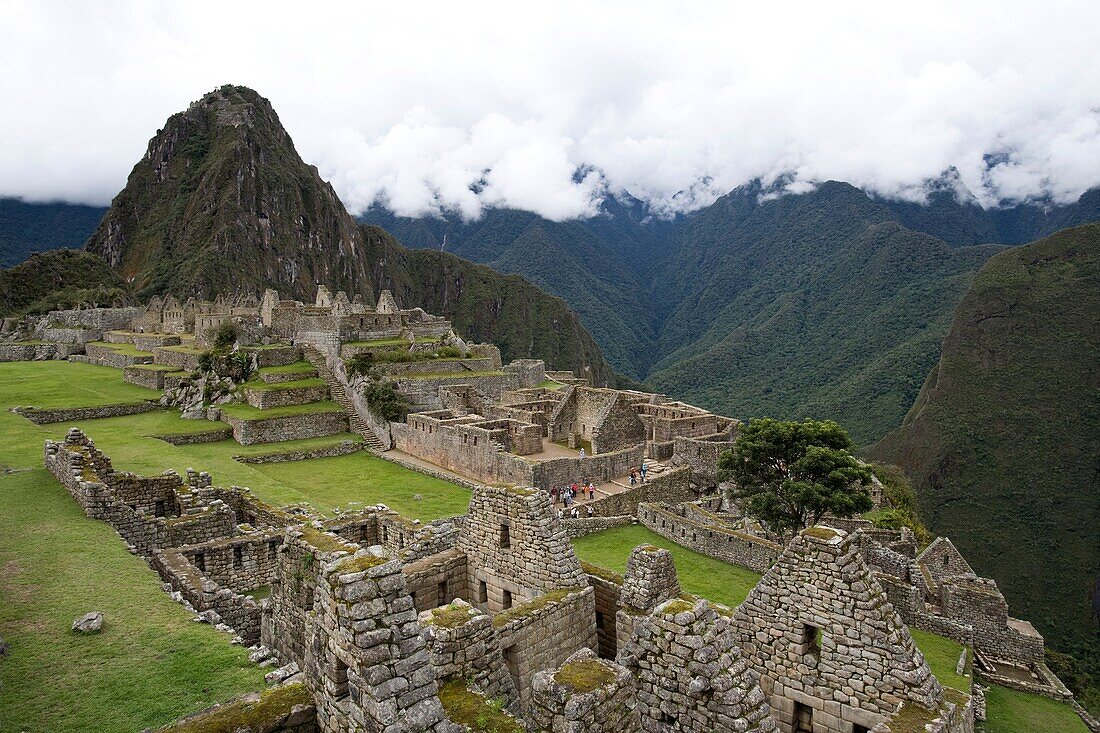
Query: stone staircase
[340, 397]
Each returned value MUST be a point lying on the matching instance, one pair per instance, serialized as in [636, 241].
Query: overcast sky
[551, 107]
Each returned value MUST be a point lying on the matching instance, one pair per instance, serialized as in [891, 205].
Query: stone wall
[265, 399]
[584, 695]
[701, 455]
[237, 611]
[675, 485]
[589, 525]
[184, 360]
[100, 319]
[241, 563]
[827, 645]
[79, 414]
[343, 448]
[145, 377]
[108, 356]
[210, 436]
[608, 587]
[515, 548]
[272, 356]
[248, 431]
[545, 632]
[691, 676]
[463, 644]
[437, 580]
[711, 539]
[28, 352]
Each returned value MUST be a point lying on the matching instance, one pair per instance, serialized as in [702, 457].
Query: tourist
[644, 469]
[582, 453]
[591, 491]
[573, 489]
[574, 513]
[633, 478]
[561, 514]
[554, 494]
[590, 511]
[568, 499]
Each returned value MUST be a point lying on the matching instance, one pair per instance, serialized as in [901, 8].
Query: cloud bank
[432, 107]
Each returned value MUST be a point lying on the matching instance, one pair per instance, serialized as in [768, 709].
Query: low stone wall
[436, 580]
[701, 455]
[457, 367]
[288, 427]
[281, 377]
[27, 352]
[144, 377]
[239, 612]
[712, 540]
[672, 486]
[76, 414]
[343, 448]
[187, 361]
[588, 525]
[272, 356]
[265, 399]
[428, 471]
[210, 436]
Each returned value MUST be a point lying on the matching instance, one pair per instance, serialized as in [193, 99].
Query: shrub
[223, 336]
[362, 364]
[385, 401]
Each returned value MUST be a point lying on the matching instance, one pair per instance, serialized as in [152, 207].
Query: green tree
[790, 474]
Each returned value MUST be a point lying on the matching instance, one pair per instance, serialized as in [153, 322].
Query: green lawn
[943, 656]
[298, 366]
[249, 412]
[148, 666]
[259, 386]
[699, 575]
[1010, 711]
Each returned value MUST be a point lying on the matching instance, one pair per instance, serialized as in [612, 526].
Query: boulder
[89, 623]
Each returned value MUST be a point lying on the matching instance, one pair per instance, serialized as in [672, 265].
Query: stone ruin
[373, 615]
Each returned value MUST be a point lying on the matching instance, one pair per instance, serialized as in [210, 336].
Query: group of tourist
[568, 494]
[575, 512]
[634, 474]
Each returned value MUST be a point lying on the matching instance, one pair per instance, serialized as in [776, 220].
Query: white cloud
[432, 106]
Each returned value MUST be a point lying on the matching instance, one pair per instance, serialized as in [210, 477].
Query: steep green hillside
[28, 228]
[485, 305]
[814, 305]
[59, 278]
[1003, 442]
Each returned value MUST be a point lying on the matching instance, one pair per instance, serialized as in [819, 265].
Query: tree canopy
[790, 474]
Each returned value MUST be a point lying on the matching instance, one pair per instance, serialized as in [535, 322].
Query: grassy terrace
[391, 342]
[128, 349]
[183, 349]
[157, 368]
[295, 368]
[450, 375]
[248, 412]
[259, 386]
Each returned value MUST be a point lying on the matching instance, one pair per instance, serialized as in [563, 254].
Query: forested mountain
[1003, 442]
[27, 228]
[221, 202]
[60, 278]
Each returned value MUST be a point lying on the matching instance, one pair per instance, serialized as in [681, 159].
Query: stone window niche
[811, 641]
[803, 718]
[505, 535]
[238, 556]
[482, 592]
[340, 679]
[507, 599]
[442, 593]
[200, 561]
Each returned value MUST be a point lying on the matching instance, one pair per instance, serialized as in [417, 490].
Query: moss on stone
[254, 715]
[324, 541]
[584, 675]
[469, 708]
[532, 606]
[603, 573]
[821, 533]
[352, 565]
[452, 615]
[677, 606]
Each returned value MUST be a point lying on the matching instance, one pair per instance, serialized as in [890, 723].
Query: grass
[549, 384]
[248, 412]
[184, 349]
[296, 384]
[148, 666]
[700, 575]
[469, 708]
[156, 367]
[450, 375]
[942, 655]
[1011, 711]
[128, 349]
[298, 366]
